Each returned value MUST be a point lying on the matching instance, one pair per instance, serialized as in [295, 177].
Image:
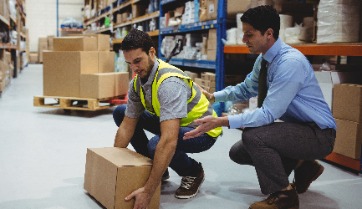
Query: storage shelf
[189, 27]
[163, 2]
[4, 20]
[335, 49]
[151, 33]
[111, 11]
[7, 46]
[205, 64]
[139, 19]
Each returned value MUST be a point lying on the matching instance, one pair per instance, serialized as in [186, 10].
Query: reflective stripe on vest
[197, 105]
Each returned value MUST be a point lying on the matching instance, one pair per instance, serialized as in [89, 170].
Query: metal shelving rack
[219, 24]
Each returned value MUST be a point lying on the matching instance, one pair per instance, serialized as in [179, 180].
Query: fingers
[191, 134]
[129, 197]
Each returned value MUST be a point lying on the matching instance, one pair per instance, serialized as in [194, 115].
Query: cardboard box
[113, 173]
[103, 41]
[50, 42]
[211, 54]
[327, 79]
[33, 58]
[211, 39]
[208, 76]
[98, 86]
[347, 102]
[122, 83]
[192, 75]
[237, 6]
[75, 43]
[62, 70]
[212, 9]
[138, 10]
[42, 46]
[106, 61]
[348, 139]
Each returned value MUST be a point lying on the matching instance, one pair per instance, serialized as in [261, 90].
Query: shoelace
[187, 182]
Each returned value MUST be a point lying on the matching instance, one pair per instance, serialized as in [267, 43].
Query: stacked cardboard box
[6, 69]
[211, 44]
[112, 173]
[347, 110]
[207, 81]
[82, 66]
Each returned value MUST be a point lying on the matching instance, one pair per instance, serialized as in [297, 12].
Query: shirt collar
[273, 51]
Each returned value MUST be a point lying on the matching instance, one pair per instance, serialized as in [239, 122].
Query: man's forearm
[125, 132]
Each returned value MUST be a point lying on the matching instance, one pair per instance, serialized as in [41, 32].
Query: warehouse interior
[47, 127]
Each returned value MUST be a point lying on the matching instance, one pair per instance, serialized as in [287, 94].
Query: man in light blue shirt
[292, 94]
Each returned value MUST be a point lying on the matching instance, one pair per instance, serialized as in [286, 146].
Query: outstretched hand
[205, 124]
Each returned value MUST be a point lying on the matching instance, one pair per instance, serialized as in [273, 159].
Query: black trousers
[275, 149]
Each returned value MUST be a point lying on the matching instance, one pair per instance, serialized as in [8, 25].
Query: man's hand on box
[142, 198]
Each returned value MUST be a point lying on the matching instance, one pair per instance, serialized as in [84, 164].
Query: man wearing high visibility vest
[163, 100]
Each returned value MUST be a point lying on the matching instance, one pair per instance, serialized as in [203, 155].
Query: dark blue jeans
[181, 163]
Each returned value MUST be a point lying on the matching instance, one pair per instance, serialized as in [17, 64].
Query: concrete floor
[42, 158]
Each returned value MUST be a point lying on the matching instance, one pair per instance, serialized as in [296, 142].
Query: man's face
[254, 40]
[139, 62]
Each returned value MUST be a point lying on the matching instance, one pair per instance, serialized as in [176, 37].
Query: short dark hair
[136, 39]
[262, 18]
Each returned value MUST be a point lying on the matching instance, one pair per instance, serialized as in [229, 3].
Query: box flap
[122, 156]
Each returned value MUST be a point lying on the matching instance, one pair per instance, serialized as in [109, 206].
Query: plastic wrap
[338, 21]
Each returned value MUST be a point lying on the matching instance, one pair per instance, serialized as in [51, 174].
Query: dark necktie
[262, 89]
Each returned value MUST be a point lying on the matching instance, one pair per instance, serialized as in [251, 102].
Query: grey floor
[42, 158]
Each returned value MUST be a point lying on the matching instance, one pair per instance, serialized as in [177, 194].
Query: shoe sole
[190, 196]
[320, 171]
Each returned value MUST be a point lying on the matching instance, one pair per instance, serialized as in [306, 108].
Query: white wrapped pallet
[338, 21]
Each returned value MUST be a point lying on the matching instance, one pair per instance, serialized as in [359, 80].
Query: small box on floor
[112, 173]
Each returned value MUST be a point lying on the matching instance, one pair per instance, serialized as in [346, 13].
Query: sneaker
[305, 174]
[279, 200]
[165, 175]
[190, 185]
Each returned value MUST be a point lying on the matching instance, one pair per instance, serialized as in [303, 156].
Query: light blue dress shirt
[293, 94]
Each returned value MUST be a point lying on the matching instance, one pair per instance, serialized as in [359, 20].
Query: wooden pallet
[74, 103]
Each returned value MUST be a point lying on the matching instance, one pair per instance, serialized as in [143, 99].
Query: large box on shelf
[237, 6]
[347, 102]
[192, 75]
[138, 10]
[62, 70]
[348, 138]
[113, 173]
[75, 43]
[212, 9]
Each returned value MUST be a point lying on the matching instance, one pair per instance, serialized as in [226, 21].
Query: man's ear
[270, 32]
[152, 51]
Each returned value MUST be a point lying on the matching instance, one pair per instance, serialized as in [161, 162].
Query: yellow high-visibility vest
[197, 105]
